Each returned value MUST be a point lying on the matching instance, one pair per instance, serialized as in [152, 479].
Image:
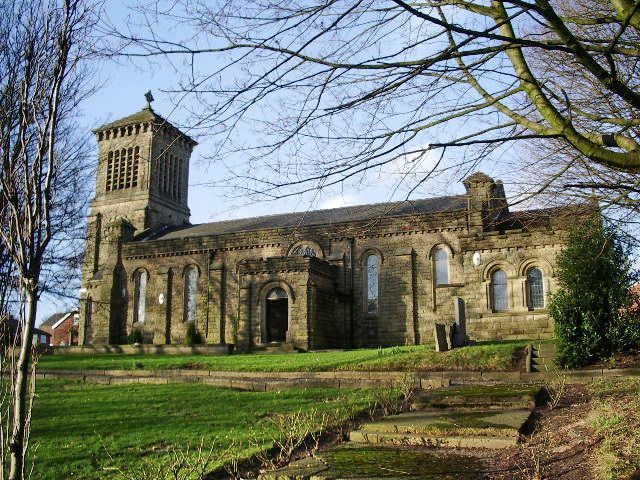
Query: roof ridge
[325, 210]
[308, 218]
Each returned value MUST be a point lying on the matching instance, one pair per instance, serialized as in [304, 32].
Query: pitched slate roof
[144, 115]
[53, 319]
[320, 217]
[544, 217]
[15, 326]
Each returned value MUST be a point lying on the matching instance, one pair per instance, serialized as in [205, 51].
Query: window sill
[450, 285]
[510, 313]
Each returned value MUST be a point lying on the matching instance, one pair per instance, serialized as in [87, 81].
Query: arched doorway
[277, 315]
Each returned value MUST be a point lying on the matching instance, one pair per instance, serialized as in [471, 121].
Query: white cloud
[339, 201]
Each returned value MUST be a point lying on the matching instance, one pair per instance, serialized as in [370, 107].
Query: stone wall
[232, 277]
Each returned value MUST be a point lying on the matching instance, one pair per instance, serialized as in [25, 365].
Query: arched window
[441, 262]
[499, 292]
[190, 293]
[372, 277]
[277, 293]
[304, 251]
[535, 288]
[140, 296]
[88, 320]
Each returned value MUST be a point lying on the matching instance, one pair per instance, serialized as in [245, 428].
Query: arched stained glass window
[304, 250]
[535, 288]
[277, 293]
[190, 293]
[441, 261]
[499, 291]
[372, 283]
[140, 296]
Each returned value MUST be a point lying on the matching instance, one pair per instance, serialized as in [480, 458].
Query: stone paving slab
[508, 396]
[450, 428]
[482, 422]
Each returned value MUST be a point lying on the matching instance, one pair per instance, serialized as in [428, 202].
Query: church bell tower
[141, 187]
[143, 171]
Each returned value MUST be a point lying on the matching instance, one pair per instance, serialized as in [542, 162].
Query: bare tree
[42, 45]
[313, 94]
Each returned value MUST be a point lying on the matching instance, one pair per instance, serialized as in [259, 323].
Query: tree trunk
[20, 388]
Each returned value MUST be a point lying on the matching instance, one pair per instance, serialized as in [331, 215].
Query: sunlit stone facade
[356, 276]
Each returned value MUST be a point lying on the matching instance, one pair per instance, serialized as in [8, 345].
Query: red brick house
[11, 333]
[63, 328]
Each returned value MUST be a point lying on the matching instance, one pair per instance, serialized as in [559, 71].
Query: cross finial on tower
[149, 98]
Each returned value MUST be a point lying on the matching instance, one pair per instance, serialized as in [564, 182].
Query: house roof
[319, 217]
[53, 319]
[15, 326]
[56, 319]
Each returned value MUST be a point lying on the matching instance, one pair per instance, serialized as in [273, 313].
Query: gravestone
[440, 335]
[459, 337]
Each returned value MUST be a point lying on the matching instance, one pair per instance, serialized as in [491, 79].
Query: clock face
[477, 259]
[161, 298]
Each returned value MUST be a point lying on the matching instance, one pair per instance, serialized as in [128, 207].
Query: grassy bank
[96, 432]
[482, 356]
[616, 419]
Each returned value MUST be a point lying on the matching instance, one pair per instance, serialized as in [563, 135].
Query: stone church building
[358, 276]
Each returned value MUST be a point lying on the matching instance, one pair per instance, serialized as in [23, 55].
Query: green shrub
[192, 336]
[135, 336]
[592, 307]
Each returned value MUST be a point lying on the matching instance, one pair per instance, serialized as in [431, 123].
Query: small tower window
[140, 296]
[190, 293]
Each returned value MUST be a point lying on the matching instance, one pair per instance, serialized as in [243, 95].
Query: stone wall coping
[218, 349]
[263, 381]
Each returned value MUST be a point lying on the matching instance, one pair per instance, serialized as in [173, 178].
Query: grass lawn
[481, 356]
[98, 431]
[615, 417]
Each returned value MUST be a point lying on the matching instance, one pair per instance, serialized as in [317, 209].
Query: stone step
[515, 404]
[432, 440]
[478, 397]
[545, 350]
[451, 428]
[543, 357]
